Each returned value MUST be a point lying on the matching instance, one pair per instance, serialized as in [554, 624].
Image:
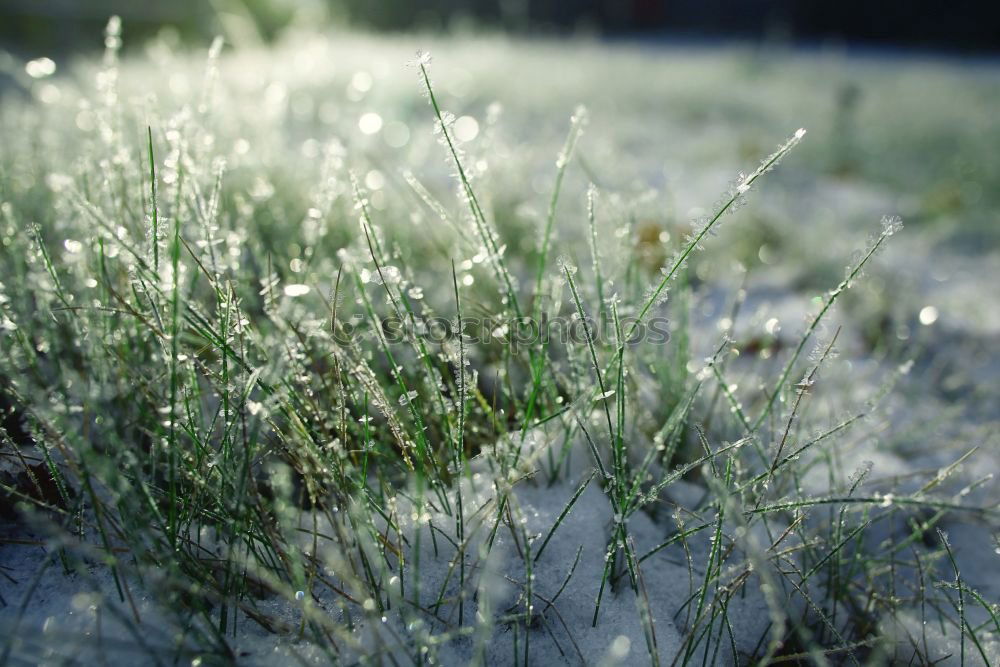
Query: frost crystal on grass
[891, 224]
[566, 264]
[444, 123]
[423, 58]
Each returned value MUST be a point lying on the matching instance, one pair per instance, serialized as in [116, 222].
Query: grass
[282, 404]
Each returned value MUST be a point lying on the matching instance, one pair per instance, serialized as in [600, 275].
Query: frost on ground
[565, 568]
[206, 472]
[79, 617]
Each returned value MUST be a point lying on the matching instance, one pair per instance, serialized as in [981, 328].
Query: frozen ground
[669, 128]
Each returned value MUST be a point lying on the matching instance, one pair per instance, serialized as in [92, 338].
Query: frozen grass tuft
[273, 398]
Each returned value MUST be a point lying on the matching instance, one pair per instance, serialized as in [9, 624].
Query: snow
[82, 611]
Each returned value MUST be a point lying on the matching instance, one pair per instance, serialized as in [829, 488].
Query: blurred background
[31, 27]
